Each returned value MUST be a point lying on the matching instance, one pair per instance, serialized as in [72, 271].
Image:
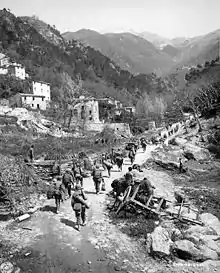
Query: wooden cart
[129, 198]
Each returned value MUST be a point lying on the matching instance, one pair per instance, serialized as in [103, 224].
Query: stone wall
[120, 128]
[174, 128]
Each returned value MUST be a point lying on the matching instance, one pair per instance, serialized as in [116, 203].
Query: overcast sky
[169, 18]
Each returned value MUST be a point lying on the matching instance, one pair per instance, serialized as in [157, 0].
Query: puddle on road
[55, 256]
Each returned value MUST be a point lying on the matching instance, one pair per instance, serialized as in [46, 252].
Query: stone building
[86, 111]
[17, 70]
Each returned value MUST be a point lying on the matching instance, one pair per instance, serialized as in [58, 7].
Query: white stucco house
[17, 70]
[41, 89]
[34, 101]
[4, 60]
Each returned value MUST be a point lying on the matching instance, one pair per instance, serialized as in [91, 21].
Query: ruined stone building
[86, 111]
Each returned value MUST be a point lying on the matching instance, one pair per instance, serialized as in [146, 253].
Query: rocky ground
[48, 242]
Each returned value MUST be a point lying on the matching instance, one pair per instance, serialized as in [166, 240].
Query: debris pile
[28, 120]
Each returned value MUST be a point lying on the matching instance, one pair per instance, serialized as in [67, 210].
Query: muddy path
[49, 242]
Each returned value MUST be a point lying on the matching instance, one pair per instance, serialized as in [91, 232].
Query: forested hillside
[131, 52]
[47, 57]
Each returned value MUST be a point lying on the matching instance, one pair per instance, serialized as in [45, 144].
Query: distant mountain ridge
[155, 39]
[129, 51]
[148, 52]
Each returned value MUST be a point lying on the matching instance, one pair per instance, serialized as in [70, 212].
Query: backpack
[57, 188]
[50, 194]
[97, 174]
[77, 207]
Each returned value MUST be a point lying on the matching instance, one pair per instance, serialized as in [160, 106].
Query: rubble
[35, 122]
[160, 241]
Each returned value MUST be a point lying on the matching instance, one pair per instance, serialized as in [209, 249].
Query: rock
[211, 221]
[186, 249]
[207, 254]
[180, 141]
[160, 241]
[196, 152]
[194, 238]
[168, 159]
[23, 217]
[209, 241]
[6, 267]
[204, 230]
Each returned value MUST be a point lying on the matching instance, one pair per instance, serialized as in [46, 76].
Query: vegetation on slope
[47, 57]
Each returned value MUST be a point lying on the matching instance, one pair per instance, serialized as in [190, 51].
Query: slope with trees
[131, 52]
[47, 59]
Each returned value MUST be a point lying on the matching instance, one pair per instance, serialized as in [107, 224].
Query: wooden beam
[179, 211]
[135, 193]
[159, 205]
[143, 206]
[148, 201]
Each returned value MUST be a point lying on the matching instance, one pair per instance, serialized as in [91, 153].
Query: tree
[189, 98]
[151, 107]
[70, 92]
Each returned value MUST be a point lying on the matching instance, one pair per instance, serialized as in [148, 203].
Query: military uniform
[79, 206]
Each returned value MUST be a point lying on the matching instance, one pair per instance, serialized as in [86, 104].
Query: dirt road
[50, 243]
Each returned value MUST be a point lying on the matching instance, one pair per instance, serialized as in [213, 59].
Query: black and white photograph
[109, 136]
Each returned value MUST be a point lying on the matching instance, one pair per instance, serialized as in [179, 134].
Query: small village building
[41, 89]
[3, 70]
[4, 61]
[87, 110]
[17, 70]
[34, 101]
